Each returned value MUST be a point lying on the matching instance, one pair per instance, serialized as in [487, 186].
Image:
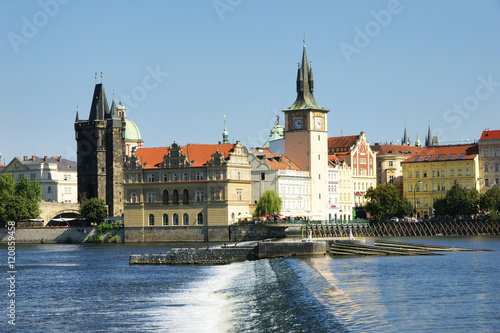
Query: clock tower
[306, 138]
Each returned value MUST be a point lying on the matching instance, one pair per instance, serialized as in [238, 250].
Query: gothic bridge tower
[100, 153]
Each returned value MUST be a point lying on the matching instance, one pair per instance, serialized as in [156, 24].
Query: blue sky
[183, 65]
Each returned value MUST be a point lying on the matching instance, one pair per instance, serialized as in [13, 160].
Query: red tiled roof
[275, 161]
[199, 154]
[445, 153]
[396, 149]
[490, 135]
[342, 141]
[333, 158]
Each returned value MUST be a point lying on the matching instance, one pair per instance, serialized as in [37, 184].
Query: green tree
[7, 186]
[269, 203]
[93, 210]
[382, 201]
[19, 201]
[404, 207]
[458, 201]
[490, 199]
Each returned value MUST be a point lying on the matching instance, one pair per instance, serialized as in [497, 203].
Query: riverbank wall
[233, 233]
[37, 235]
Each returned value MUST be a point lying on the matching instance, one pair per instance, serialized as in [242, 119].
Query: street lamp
[414, 200]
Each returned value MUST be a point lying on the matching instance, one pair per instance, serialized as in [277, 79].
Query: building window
[424, 173]
[433, 173]
[33, 176]
[417, 174]
[467, 171]
[165, 219]
[496, 181]
[200, 219]
[175, 220]
[185, 197]
[151, 197]
[486, 182]
[199, 176]
[443, 187]
[424, 187]
[49, 189]
[67, 177]
[262, 176]
[391, 163]
[165, 177]
[409, 174]
[199, 196]
[185, 176]
[49, 176]
[434, 187]
[452, 172]
[165, 197]
[175, 197]
[175, 177]
[442, 173]
[238, 195]
[486, 168]
[151, 219]
[391, 179]
[67, 190]
[459, 172]
[185, 219]
[133, 197]
[467, 185]
[425, 202]
[410, 188]
[496, 167]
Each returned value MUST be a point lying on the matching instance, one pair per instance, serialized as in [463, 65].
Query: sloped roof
[445, 153]
[275, 161]
[490, 135]
[198, 154]
[403, 150]
[342, 141]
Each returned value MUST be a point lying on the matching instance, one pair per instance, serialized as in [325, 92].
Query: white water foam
[202, 306]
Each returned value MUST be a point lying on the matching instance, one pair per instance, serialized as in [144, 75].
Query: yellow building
[192, 185]
[428, 174]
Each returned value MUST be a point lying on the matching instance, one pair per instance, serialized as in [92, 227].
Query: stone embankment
[229, 254]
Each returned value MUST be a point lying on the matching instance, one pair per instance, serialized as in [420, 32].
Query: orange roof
[445, 153]
[334, 158]
[198, 154]
[490, 135]
[342, 141]
[275, 161]
[396, 149]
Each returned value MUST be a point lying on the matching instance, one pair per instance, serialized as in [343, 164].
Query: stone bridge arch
[50, 210]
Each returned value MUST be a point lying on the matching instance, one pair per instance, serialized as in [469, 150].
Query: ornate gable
[175, 158]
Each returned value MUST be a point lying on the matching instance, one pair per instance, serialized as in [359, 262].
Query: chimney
[45, 158]
[33, 158]
[25, 158]
[59, 158]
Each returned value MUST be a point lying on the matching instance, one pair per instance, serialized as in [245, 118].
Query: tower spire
[305, 85]
[225, 133]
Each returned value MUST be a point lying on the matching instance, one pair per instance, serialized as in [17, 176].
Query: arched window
[175, 220]
[165, 219]
[496, 167]
[175, 197]
[185, 219]
[151, 219]
[486, 168]
[165, 197]
[200, 219]
[185, 197]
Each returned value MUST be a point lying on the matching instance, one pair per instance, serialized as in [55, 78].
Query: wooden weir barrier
[401, 229]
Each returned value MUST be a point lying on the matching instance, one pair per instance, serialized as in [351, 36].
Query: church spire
[405, 140]
[305, 86]
[428, 139]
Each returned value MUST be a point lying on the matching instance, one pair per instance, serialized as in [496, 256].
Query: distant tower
[100, 153]
[306, 137]
[225, 134]
[405, 140]
[428, 139]
[417, 142]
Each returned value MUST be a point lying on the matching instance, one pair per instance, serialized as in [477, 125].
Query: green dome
[132, 131]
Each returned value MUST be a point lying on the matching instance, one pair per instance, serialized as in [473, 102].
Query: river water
[92, 288]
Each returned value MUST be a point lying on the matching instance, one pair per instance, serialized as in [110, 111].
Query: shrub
[90, 239]
[115, 239]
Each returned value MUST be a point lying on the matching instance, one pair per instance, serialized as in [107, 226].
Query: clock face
[297, 123]
[318, 123]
